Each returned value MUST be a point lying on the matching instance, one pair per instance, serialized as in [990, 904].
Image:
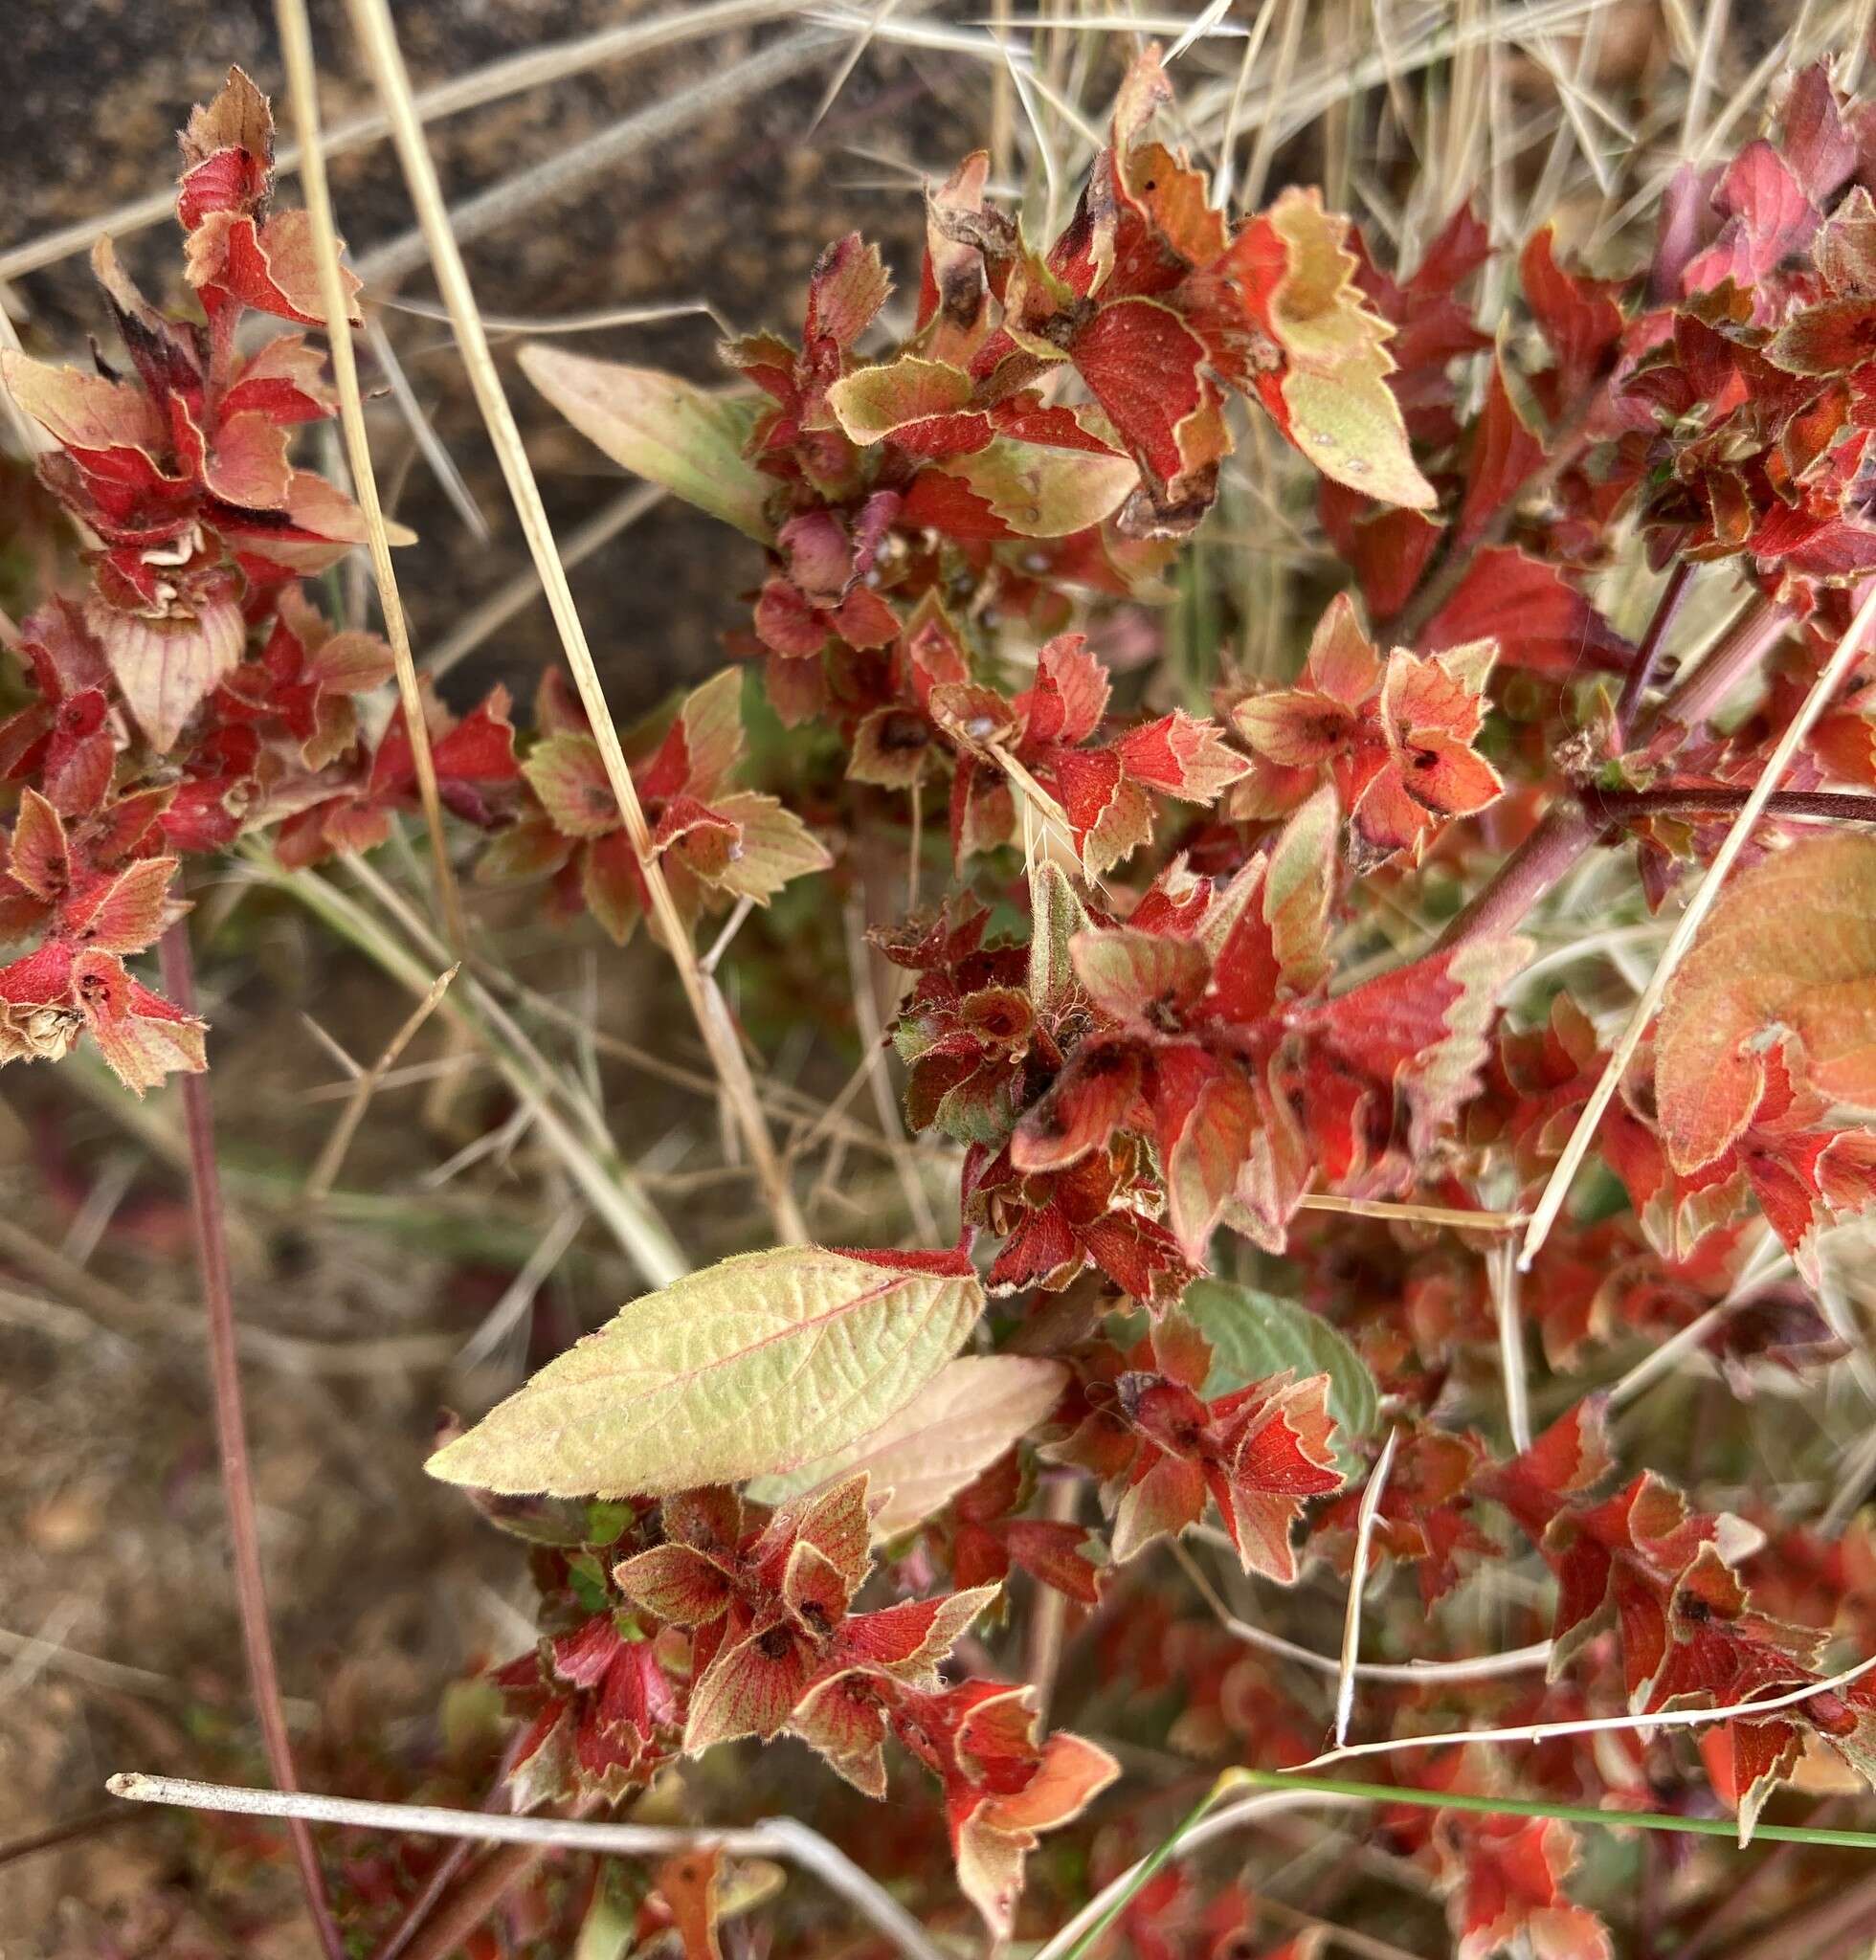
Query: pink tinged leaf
[750, 1688]
[1087, 1102]
[771, 847]
[1181, 756]
[1142, 363]
[143, 1037]
[1138, 976]
[848, 286]
[568, 774]
[123, 914]
[1205, 1116]
[1168, 1500]
[676, 1583]
[166, 666]
[39, 857]
[1070, 695]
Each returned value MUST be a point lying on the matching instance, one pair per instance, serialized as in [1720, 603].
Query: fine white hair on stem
[774, 1838]
[1371, 1509]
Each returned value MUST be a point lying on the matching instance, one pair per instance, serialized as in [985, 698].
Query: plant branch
[296, 45]
[231, 1432]
[1566, 830]
[1837, 670]
[377, 35]
[779, 1837]
[1633, 806]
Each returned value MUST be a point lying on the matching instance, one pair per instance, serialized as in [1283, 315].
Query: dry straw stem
[333, 1156]
[372, 22]
[1481, 1667]
[779, 1837]
[1837, 670]
[303, 86]
[493, 83]
[1371, 1508]
[616, 1197]
[1595, 1724]
[576, 165]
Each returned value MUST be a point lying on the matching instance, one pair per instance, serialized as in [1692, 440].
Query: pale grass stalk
[1451, 1217]
[541, 325]
[372, 22]
[1371, 1508]
[1837, 670]
[1268, 134]
[1048, 1608]
[495, 82]
[332, 1157]
[302, 86]
[519, 1292]
[442, 465]
[1595, 1725]
[779, 1837]
[574, 165]
[614, 1194]
[1502, 1268]
[1530, 1660]
[524, 588]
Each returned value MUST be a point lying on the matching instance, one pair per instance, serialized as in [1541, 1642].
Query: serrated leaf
[958, 1424]
[1790, 944]
[1056, 915]
[758, 1365]
[1255, 1334]
[872, 402]
[1046, 493]
[660, 428]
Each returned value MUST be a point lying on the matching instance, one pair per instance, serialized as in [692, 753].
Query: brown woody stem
[1568, 830]
[209, 1218]
[1631, 806]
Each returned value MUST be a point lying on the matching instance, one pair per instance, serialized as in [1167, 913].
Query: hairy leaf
[1255, 1334]
[660, 428]
[1791, 945]
[756, 1364]
[960, 1422]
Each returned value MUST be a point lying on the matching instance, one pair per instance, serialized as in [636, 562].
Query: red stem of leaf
[1566, 830]
[1648, 658]
[230, 1433]
[1630, 806]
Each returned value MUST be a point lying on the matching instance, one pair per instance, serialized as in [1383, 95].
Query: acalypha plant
[1244, 1025]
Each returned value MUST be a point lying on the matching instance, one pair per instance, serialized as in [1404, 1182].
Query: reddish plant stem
[470, 1905]
[1566, 830]
[230, 1433]
[1630, 806]
[1447, 572]
[1647, 656]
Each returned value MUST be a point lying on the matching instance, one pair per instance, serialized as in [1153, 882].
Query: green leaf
[756, 1364]
[1046, 493]
[660, 428]
[1256, 1334]
[958, 1424]
[1055, 914]
[872, 402]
